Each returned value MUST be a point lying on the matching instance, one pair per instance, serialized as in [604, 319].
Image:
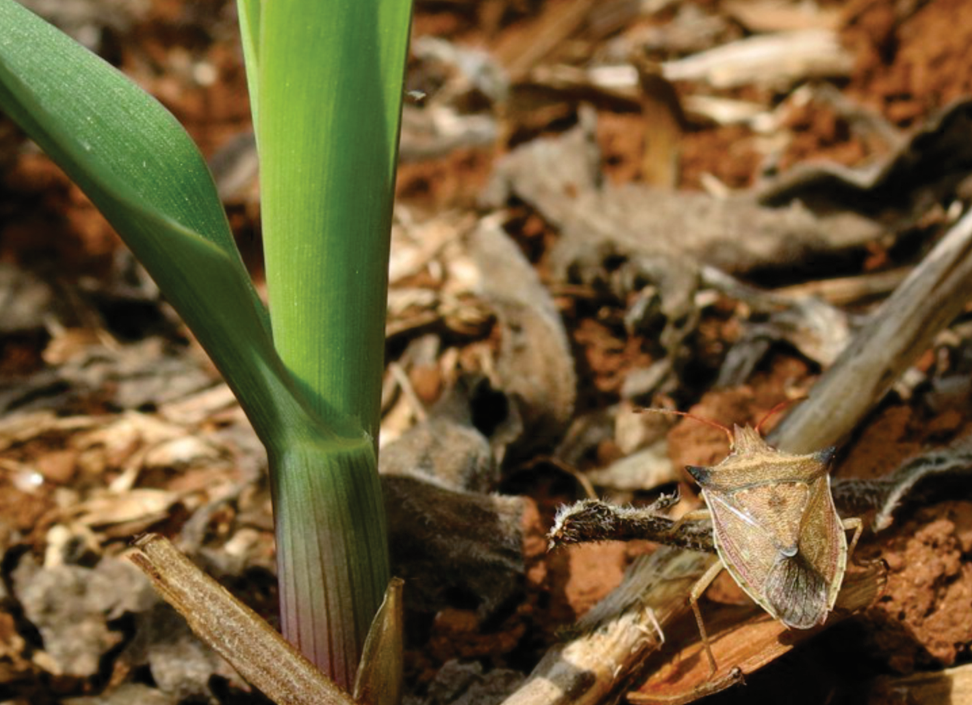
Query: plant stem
[332, 551]
[330, 103]
[330, 81]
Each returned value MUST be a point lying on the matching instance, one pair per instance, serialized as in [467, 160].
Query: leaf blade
[143, 172]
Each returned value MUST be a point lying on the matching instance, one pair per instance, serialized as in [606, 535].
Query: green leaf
[249, 13]
[143, 172]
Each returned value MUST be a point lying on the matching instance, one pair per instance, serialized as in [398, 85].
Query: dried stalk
[233, 630]
[898, 332]
[618, 634]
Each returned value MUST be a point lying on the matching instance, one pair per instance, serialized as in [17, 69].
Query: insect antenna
[775, 410]
[709, 422]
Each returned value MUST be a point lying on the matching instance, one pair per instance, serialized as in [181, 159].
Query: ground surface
[114, 423]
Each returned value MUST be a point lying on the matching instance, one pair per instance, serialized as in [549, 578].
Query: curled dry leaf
[447, 532]
[141, 374]
[445, 542]
[73, 608]
[936, 474]
[817, 329]
[535, 366]
[560, 177]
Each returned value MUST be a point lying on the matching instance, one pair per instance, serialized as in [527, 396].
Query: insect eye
[699, 472]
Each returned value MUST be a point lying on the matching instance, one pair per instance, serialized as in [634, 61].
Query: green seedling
[325, 84]
[775, 529]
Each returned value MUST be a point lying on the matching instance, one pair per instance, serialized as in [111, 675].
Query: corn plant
[325, 80]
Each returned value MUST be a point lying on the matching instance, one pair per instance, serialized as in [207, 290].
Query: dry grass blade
[379, 678]
[233, 630]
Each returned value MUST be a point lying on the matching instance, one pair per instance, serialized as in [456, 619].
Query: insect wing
[804, 587]
[762, 536]
[745, 548]
[797, 592]
[823, 542]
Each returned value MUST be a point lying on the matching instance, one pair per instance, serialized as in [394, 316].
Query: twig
[898, 332]
[849, 290]
[618, 634]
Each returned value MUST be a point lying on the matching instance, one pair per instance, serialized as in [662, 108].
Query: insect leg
[694, 515]
[700, 587]
[857, 525]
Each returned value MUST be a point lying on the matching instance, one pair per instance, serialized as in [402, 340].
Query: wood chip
[770, 60]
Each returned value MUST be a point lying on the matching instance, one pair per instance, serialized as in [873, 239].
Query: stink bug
[775, 529]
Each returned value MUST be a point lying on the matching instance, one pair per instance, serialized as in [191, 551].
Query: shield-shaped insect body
[775, 527]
